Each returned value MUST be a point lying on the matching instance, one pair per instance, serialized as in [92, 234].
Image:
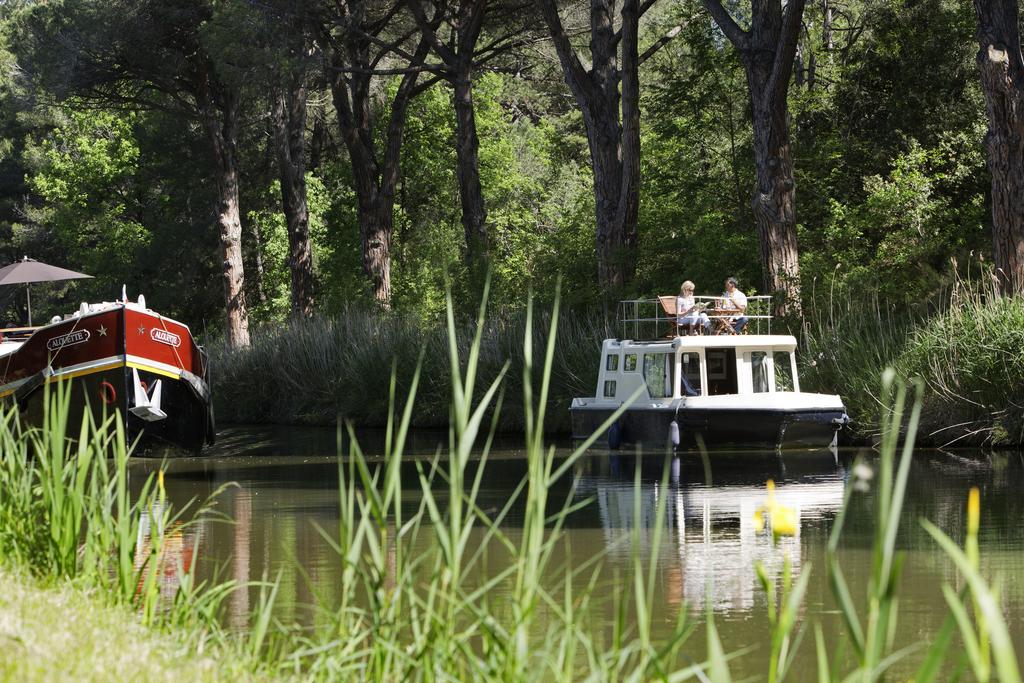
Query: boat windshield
[658, 374]
[783, 371]
[759, 371]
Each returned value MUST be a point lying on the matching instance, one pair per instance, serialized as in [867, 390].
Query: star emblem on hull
[102, 331]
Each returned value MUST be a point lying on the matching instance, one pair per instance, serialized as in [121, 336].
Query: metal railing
[641, 319]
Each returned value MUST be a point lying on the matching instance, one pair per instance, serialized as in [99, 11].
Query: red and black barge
[121, 357]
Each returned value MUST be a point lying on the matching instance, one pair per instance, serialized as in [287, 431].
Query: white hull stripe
[100, 364]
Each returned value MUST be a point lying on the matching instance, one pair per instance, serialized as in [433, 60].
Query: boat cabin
[730, 388]
[698, 366]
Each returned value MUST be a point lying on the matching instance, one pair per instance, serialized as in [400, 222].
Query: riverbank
[967, 349]
[63, 632]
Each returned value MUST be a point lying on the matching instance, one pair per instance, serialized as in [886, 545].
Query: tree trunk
[614, 259]
[1002, 78]
[614, 142]
[467, 148]
[257, 280]
[458, 56]
[220, 121]
[375, 172]
[774, 207]
[376, 217]
[374, 182]
[768, 51]
[289, 139]
[827, 40]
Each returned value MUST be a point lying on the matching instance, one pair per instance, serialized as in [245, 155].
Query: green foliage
[891, 177]
[966, 344]
[273, 247]
[535, 206]
[900, 237]
[697, 166]
[87, 168]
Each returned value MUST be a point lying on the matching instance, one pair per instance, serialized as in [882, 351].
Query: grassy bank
[406, 605]
[84, 563]
[66, 632]
[968, 346]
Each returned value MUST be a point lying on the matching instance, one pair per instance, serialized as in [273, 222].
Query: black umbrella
[27, 270]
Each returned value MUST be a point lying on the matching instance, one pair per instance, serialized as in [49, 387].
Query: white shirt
[736, 300]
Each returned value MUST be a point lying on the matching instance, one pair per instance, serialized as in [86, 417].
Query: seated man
[734, 299]
[689, 311]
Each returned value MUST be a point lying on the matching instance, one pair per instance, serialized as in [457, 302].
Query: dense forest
[279, 158]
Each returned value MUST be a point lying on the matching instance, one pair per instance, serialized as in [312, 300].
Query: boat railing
[17, 333]
[645, 319]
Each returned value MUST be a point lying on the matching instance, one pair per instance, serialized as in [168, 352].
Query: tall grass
[407, 613]
[312, 372]
[966, 346]
[69, 514]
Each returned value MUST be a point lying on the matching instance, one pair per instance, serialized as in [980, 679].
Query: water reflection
[174, 555]
[711, 543]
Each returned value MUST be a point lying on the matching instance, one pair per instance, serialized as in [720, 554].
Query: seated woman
[689, 311]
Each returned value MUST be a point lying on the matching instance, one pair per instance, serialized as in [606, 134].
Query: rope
[181, 363]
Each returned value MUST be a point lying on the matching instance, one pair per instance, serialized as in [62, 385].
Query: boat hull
[98, 356]
[717, 427]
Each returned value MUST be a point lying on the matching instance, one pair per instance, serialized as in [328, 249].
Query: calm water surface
[287, 488]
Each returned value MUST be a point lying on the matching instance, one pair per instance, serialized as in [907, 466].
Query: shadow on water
[287, 490]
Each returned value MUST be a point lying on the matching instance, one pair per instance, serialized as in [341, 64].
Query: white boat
[732, 390]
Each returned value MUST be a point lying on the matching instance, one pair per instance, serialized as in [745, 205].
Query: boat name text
[164, 337]
[69, 339]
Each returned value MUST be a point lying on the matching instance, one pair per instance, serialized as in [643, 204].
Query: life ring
[108, 394]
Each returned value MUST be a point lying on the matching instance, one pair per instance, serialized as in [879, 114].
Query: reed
[69, 515]
[315, 371]
[408, 606]
[965, 345]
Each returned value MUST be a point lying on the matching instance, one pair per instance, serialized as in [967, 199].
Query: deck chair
[668, 304]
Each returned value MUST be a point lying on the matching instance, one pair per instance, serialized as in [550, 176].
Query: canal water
[286, 492]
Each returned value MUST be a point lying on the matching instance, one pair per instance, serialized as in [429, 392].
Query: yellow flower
[973, 511]
[784, 520]
[759, 520]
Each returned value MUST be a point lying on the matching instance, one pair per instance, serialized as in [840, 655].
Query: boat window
[691, 374]
[658, 375]
[612, 364]
[759, 371]
[609, 388]
[783, 371]
[629, 363]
